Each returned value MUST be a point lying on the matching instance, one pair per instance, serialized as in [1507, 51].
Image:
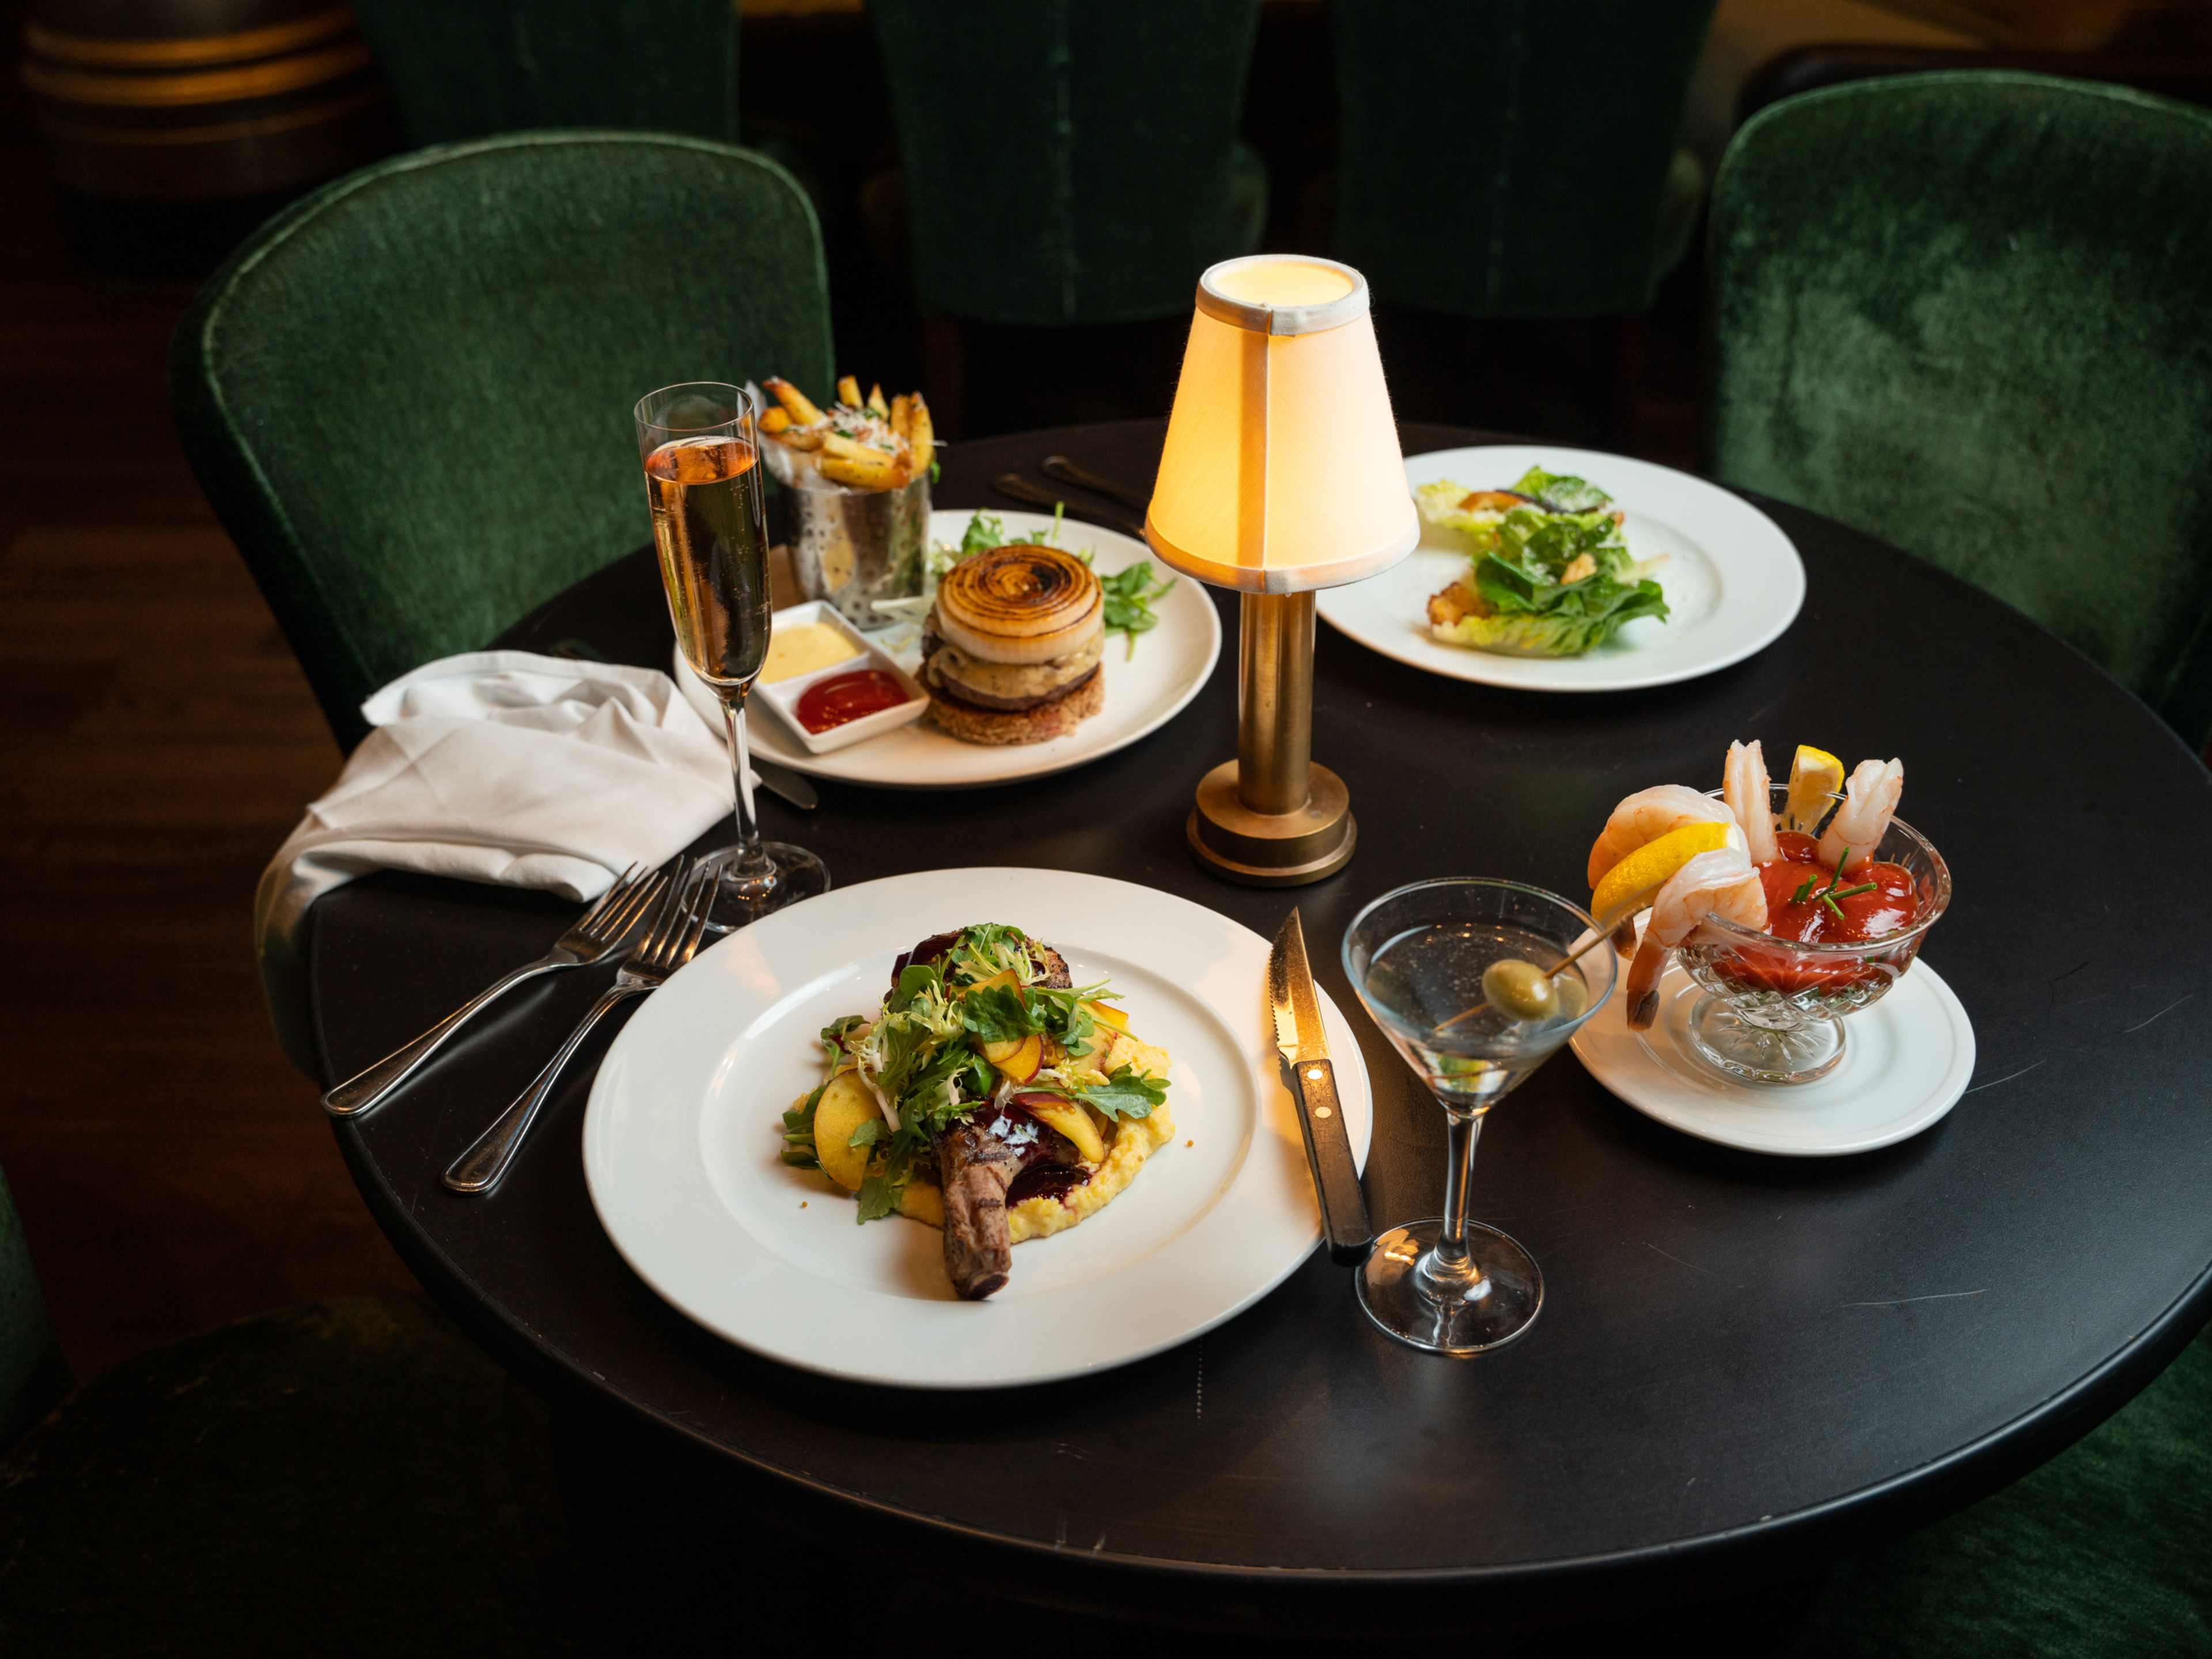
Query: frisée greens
[1551, 576]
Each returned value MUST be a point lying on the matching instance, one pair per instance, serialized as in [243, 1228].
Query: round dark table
[1740, 1357]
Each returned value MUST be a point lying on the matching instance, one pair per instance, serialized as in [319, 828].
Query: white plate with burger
[1072, 691]
[709, 1152]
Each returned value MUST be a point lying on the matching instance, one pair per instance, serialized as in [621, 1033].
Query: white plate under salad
[683, 1136]
[1733, 580]
[1144, 689]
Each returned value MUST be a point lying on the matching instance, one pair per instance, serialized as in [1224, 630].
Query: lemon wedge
[1814, 774]
[1631, 884]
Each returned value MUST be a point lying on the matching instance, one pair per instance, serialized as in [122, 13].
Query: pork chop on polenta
[988, 1096]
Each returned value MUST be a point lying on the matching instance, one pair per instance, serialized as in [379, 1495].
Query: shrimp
[1721, 883]
[1644, 816]
[1870, 797]
[1744, 788]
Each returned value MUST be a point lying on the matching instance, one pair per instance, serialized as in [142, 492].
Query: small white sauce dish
[783, 695]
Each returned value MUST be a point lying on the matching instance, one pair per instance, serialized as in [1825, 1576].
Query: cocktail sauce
[1891, 905]
[844, 697]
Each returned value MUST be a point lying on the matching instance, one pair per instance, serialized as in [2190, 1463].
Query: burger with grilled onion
[1013, 646]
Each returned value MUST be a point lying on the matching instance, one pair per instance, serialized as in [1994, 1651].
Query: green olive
[1520, 989]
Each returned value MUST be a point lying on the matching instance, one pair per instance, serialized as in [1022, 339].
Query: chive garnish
[1841, 859]
[1803, 888]
[1853, 892]
[1828, 899]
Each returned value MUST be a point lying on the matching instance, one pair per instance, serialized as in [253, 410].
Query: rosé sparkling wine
[712, 536]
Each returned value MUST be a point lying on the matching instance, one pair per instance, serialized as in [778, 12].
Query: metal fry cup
[855, 547]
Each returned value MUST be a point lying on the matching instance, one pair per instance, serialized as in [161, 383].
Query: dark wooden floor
[156, 743]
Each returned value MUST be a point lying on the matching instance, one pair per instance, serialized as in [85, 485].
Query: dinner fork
[668, 944]
[597, 934]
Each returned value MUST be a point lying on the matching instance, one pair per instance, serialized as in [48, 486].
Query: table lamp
[1281, 475]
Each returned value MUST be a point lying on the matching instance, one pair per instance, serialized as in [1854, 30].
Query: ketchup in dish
[844, 697]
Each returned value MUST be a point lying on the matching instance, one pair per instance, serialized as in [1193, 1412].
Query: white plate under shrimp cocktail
[1791, 906]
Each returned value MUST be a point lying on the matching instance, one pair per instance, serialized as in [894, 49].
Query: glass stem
[752, 864]
[1447, 1271]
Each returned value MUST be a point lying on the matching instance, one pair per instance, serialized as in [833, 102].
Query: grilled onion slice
[1020, 603]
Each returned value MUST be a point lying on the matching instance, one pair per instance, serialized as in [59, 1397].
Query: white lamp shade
[1282, 470]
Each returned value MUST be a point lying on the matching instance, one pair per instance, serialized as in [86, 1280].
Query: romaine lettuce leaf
[1562, 631]
[1561, 492]
[1439, 505]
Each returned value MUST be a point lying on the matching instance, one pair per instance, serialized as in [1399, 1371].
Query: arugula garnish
[916, 980]
[1127, 1093]
[1006, 1013]
[799, 1131]
[1129, 597]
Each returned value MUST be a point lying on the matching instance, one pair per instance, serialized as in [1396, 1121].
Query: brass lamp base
[1273, 849]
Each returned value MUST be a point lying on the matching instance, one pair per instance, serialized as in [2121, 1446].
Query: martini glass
[1417, 957]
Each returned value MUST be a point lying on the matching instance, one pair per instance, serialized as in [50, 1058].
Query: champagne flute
[700, 446]
[1417, 956]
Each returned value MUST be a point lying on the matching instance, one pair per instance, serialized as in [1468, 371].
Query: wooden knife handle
[1328, 1149]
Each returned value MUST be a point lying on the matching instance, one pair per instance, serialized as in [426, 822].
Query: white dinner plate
[1907, 1060]
[1733, 580]
[1144, 692]
[682, 1135]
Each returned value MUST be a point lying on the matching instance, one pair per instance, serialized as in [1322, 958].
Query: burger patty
[958, 691]
[1006, 688]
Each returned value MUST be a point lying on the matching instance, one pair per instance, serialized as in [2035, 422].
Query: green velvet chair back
[1514, 158]
[408, 397]
[1069, 162]
[466, 68]
[1971, 312]
[31, 1376]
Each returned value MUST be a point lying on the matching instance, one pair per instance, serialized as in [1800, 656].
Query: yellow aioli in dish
[801, 650]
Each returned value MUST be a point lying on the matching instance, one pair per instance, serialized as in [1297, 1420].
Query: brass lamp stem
[1275, 702]
[1270, 817]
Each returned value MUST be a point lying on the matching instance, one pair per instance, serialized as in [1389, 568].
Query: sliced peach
[1109, 1013]
[1057, 1112]
[1003, 980]
[1019, 1060]
[845, 1105]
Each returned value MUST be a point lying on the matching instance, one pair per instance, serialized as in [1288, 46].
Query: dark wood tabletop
[1737, 1352]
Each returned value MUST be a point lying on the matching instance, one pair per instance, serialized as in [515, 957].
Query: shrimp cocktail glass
[1843, 923]
[1476, 983]
[700, 445]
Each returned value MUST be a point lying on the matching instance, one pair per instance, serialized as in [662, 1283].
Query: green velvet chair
[1968, 312]
[1501, 158]
[345, 1477]
[1065, 163]
[408, 397]
[466, 68]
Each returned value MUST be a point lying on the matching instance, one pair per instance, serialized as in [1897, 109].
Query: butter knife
[1313, 1081]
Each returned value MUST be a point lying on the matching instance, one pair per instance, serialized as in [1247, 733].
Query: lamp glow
[1281, 474]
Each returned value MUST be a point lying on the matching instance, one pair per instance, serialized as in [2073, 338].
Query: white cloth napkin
[501, 766]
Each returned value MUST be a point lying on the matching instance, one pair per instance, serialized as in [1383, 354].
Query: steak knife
[1313, 1081]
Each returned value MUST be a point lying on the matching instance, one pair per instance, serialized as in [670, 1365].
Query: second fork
[670, 941]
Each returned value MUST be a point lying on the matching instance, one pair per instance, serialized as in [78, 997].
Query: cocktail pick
[1545, 975]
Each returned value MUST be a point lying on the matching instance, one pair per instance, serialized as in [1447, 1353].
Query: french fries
[871, 443]
[921, 434]
[796, 403]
